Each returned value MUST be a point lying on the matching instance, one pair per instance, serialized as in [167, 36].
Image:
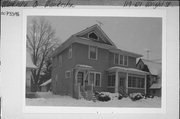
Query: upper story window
[93, 52]
[125, 60]
[120, 59]
[70, 52]
[93, 36]
[116, 58]
[60, 60]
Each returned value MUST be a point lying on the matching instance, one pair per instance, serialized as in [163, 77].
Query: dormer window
[93, 35]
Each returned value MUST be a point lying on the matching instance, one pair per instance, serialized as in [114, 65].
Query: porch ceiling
[126, 70]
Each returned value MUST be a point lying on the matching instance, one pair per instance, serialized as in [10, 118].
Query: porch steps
[123, 92]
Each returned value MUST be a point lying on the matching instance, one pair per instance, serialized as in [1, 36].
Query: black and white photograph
[94, 61]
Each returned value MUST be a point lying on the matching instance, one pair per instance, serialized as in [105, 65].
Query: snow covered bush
[120, 97]
[149, 96]
[136, 96]
[101, 96]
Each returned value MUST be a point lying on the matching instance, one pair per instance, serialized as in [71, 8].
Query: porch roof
[85, 67]
[127, 70]
[155, 86]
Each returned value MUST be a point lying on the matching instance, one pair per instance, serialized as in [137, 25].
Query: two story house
[89, 60]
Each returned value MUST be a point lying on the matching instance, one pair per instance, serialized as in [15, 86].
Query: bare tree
[40, 43]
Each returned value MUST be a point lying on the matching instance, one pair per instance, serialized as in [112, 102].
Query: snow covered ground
[48, 99]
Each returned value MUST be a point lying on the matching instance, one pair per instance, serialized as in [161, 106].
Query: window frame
[111, 86]
[95, 34]
[89, 52]
[66, 76]
[138, 80]
[94, 81]
[115, 58]
[123, 59]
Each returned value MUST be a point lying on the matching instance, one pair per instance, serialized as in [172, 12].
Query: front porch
[82, 87]
[126, 80]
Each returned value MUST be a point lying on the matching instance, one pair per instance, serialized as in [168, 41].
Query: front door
[80, 78]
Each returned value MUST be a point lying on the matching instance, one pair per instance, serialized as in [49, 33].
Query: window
[116, 58]
[125, 60]
[70, 52]
[68, 74]
[95, 78]
[120, 59]
[98, 79]
[60, 60]
[135, 82]
[93, 36]
[93, 52]
[111, 80]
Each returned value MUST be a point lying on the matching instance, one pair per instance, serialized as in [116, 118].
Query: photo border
[97, 12]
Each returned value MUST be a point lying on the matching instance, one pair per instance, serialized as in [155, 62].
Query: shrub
[103, 97]
[120, 97]
[149, 96]
[136, 96]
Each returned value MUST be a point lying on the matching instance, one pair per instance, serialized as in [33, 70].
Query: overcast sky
[135, 34]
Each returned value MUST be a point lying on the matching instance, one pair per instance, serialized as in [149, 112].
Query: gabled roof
[98, 29]
[76, 38]
[154, 67]
[29, 63]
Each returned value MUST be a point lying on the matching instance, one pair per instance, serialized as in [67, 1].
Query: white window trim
[94, 33]
[68, 71]
[114, 58]
[136, 82]
[123, 59]
[70, 50]
[114, 83]
[94, 78]
[89, 52]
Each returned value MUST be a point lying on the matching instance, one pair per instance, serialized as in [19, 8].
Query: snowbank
[48, 99]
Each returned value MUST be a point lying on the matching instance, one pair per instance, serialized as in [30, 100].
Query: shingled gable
[102, 37]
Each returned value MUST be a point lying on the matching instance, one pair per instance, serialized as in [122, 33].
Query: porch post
[116, 82]
[127, 82]
[145, 84]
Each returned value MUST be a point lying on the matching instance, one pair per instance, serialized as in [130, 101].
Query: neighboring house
[154, 77]
[46, 86]
[89, 60]
[29, 67]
